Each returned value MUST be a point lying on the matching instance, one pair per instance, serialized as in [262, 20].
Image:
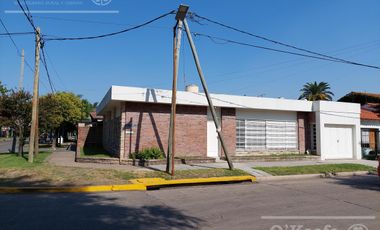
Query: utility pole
[211, 106]
[20, 84]
[177, 32]
[34, 126]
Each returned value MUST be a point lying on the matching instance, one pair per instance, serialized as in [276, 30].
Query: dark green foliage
[313, 91]
[150, 153]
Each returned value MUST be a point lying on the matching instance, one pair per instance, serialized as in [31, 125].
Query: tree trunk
[54, 142]
[14, 140]
[21, 142]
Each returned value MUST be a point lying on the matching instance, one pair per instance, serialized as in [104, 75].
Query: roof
[361, 97]
[148, 95]
[370, 111]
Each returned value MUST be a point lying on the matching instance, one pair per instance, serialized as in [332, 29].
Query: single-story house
[369, 118]
[137, 118]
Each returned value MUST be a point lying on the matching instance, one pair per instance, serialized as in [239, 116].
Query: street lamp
[181, 12]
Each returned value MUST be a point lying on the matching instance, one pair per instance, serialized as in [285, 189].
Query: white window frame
[275, 135]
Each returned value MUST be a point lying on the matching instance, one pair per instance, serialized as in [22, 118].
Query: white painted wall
[136, 94]
[337, 113]
[213, 146]
[267, 115]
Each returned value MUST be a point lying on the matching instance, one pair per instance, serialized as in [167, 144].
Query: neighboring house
[137, 118]
[370, 118]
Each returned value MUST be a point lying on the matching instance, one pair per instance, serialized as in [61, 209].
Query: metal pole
[212, 109]
[177, 46]
[35, 96]
[20, 84]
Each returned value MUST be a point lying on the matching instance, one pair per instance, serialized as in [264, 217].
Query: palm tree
[313, 91]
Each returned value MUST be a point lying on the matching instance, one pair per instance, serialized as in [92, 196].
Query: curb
[94, 188]
[311, 176]
[152, 183]
[142, 184]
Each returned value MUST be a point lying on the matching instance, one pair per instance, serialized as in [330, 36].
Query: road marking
[318, 217]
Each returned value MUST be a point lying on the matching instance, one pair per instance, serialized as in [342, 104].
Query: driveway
[336, 203]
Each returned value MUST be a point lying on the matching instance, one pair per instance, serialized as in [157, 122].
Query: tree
[3, 89]
[60, 112]
[313, 91]
[16, 111]
[50, 115]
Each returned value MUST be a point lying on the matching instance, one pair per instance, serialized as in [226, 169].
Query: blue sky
[348, 29]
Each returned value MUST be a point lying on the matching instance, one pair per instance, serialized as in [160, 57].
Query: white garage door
[338, 142]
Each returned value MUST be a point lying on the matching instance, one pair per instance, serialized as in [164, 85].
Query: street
[5, 146]
[312, 204]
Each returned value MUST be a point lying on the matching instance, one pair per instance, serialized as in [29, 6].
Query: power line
[43, 60]
[27, 15]
[54, 69]
[16, 33]
[94, 22]
[15, 45]
[192, 15]
[111, 34]
[213, 38]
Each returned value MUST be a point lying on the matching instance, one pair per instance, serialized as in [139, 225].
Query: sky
[348, 29]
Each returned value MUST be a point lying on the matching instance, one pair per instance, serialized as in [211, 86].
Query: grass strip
[314, 169]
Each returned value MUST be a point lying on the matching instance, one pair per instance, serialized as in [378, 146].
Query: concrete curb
[94, 188]
[142, 184]
[311, 176]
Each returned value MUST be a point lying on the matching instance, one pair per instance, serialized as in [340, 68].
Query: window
[365, 138]
[313, 137]
[256, 135]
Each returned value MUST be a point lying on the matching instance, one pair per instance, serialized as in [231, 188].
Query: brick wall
[229, 129]
[147, 125]
[303, 120]
[88, 134]
[111, 134]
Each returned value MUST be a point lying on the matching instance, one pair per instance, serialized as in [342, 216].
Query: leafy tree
[16, 111]
[3, 89]
[313, 91]
[60, 112]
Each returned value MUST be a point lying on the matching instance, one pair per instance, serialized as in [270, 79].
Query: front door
[212, 135]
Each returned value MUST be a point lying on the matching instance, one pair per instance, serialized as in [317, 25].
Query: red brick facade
[229, 129]
[89, 134]
[147, 125]
[143, 125]
[304, 138]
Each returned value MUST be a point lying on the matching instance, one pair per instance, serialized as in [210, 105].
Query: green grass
[8, 160]
[315, 169]
[94, 151]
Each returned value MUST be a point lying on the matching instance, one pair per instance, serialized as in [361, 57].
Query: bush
[150, 153]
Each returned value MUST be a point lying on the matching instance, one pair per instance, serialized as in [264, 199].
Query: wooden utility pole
[34, 126]
[20, 84]
[177, 31]
[211, 106]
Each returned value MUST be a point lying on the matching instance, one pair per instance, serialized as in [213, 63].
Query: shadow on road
[89, 211]
[360, 182]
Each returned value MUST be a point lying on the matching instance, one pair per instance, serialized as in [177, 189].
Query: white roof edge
[150, 95]
[106, 99]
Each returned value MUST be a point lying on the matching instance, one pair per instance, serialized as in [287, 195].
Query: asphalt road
[5, 146]
[233, 206]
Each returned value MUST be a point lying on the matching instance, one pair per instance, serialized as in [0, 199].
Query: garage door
[338, 142]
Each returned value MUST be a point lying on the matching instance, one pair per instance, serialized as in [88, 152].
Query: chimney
[192, 88]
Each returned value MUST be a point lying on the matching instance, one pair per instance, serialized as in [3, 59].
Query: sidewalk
[64, 157]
